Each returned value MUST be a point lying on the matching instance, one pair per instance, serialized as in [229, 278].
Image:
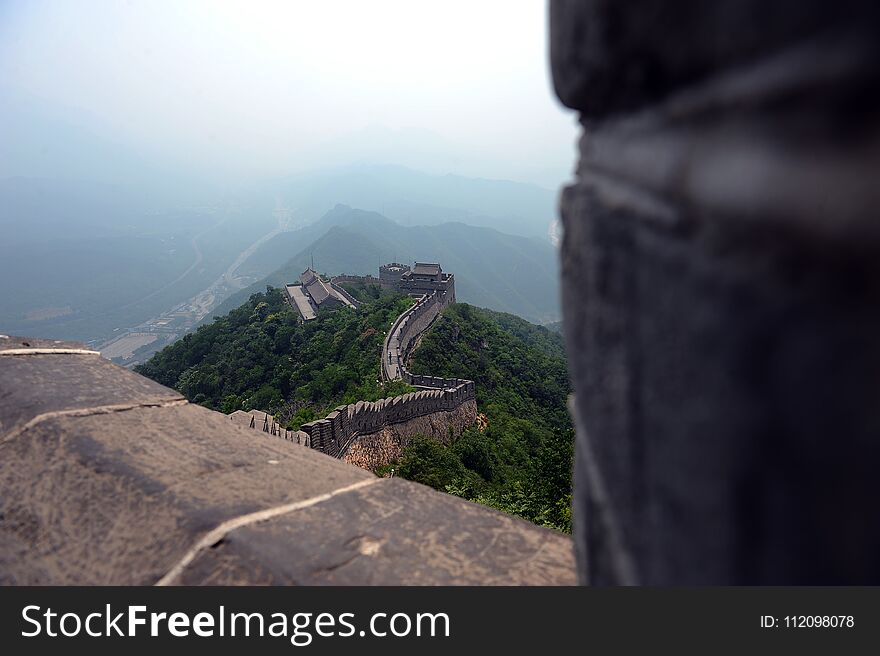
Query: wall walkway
[335, 434]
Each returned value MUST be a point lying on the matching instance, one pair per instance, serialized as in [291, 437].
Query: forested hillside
[260, 356]
[521, 461]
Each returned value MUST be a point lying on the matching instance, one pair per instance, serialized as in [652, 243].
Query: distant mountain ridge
[502, 272]
[411, 197]
[90, 260]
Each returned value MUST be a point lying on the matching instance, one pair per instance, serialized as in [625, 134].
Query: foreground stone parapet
[108, 478]
[392, 532]
[65, 381]
[721, 289]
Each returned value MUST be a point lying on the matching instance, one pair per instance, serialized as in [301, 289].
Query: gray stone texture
[31, 385]
[118, 499]
[721, 290]
[609, 56]
[108, 478]
[11, 342]
[391, 533]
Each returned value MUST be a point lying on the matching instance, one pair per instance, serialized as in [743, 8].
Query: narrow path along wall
[348, 297]
[403, 335]
[371, 434]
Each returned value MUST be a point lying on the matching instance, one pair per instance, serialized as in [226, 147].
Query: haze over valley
[121, 268]
[144, 190]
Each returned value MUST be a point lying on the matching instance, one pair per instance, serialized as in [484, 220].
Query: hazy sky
[236, 91]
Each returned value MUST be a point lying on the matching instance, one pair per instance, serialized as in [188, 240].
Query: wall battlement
[264, 422]
[335, 434]
[405, 332]
[344, 294]
[366, 280]
[418, 281]
[337, 431]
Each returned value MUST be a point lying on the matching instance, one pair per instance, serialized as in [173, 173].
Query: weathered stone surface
[721, 295]
[390, 533]
[119, 498]
[724, 385]
[130, 493]
[376, 449]
[610, 56]
[31, 385]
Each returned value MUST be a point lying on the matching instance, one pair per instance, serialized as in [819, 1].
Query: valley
[138, 343]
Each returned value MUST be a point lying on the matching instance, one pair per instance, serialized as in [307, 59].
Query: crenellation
[341, 428]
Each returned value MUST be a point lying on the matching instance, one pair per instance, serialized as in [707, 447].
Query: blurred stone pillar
[721, 289]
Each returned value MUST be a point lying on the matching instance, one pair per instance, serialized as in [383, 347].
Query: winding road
[199, 306]
[196, 262]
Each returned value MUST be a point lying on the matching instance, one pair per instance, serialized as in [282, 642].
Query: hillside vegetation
[260, 356]
[521, 462]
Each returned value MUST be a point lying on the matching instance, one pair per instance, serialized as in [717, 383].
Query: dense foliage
[521, 462]
[260, 356]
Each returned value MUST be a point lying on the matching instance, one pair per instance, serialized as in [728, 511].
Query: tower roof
[314, 286]
[426, 269]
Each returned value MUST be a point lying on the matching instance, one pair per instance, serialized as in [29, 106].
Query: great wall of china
[372, 433]
[108, 478]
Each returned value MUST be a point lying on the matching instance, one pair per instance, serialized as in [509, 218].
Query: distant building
[314, 294]
[389, 274]
[425, 278]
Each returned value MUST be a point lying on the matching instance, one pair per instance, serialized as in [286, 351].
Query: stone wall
[393, 418]
[107, 478]
[336, 432]
[721, 289]
[348, 297]
[365, 280]
[265, 423]
[405, 332]
[372, 450]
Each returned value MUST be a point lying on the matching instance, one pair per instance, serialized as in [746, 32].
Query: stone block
[390, 533]
[31, 385]
[609, 57]
[725, 375]
[118, 499]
